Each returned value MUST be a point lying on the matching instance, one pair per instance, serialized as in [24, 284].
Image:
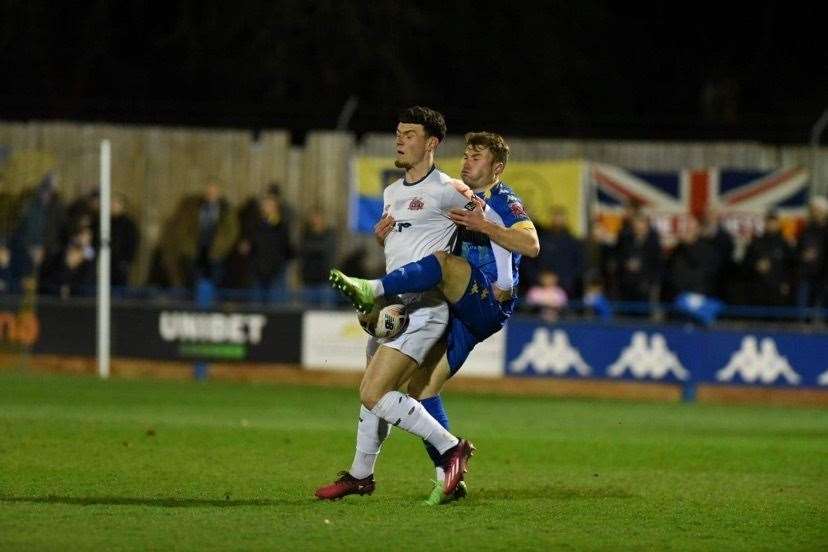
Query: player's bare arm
[521, 238]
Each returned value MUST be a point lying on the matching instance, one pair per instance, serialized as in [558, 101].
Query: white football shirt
[420, 210]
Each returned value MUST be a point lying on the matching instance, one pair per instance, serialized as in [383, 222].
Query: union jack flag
[740, 197]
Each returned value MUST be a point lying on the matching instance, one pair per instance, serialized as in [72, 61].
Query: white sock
[403, 411]
[440, 474]
[371, 432]
[378, 288]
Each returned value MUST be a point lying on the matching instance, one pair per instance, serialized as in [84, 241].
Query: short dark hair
[491, 141]
[432, 121]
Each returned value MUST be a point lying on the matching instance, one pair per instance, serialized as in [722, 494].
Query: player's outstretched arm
[522, 238]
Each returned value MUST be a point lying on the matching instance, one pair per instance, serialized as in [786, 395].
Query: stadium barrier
[675, 354]
[335, 341]
[159, 332]
[682, 354]
[667, 353]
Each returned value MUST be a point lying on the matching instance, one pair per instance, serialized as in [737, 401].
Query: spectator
[123, 239]
[595, 300]
[724, 271]
[81, 212]
[239, 271]
[633, 209]
[547, 297]
[270, 250]
[38, 232]
[198, 238]
[561, 253]
[766, 264]
[811, 255]
[6, 283]
[317, 257]
[600, 254]
[638, 261]
[693, 263]
[8, 221]
[288, 216]
[72, 271]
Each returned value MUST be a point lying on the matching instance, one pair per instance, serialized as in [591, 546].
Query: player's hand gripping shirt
[420, 210]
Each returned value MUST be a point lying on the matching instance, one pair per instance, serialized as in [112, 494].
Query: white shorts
[427, 322]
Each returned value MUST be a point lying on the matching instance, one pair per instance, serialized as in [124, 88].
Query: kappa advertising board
[336, 341]
[169, 334]
[666, 353]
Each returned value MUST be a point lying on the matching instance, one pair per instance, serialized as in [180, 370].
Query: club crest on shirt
[416, 204]
[517, 209]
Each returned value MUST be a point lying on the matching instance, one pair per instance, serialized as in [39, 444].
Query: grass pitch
[86, 464]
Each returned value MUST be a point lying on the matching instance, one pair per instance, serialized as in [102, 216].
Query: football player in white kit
[420, 204]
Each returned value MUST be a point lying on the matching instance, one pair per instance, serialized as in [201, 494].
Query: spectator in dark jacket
[270, 250]
[561, 253]
[693, 263]
[811, 255]
[638, 261]
[317, 257]
[197, 238]
[767, 264]
[724, 270]
[72, 271]
[123, 241]
[38, 232]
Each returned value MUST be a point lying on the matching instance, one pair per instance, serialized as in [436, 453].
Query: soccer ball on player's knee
[386, 320]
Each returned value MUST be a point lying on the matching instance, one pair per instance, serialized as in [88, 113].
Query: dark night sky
[583, 69]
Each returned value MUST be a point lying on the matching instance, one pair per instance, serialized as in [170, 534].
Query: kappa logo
[643, 360]
[550, 355]
[758, 362]
[416, 204]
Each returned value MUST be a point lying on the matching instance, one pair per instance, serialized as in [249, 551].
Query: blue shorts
[476, 316]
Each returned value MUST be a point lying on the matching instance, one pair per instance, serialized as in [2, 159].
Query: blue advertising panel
[667, 353]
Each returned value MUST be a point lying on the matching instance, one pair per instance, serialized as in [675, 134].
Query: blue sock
[420, 275]
[434, 406]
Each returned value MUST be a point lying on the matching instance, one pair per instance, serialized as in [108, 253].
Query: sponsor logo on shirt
[416, 204]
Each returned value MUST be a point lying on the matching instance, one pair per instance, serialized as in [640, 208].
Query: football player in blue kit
[479, 280]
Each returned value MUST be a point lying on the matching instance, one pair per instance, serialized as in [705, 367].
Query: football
[387, 319]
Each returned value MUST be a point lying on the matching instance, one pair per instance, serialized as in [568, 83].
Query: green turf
[86, 464]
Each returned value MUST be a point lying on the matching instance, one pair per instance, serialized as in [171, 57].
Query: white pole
[103, 264]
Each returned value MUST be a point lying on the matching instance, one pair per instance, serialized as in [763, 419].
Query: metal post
[103, 264]
[818, 186]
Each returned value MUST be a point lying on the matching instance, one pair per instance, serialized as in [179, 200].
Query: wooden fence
[153, 167]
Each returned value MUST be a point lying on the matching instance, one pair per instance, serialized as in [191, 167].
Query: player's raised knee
[442, 258]
[369, 398]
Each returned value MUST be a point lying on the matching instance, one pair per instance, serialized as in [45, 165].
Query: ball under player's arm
[521, 237]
